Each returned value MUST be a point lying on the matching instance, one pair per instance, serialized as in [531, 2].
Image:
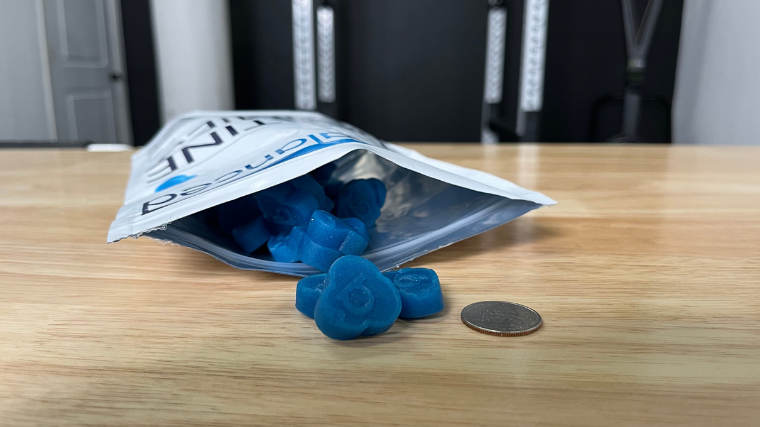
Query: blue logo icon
[171, 182]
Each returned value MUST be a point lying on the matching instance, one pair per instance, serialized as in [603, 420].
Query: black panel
[262, 45]
[586, 68]
[141, 69]
[413, 70]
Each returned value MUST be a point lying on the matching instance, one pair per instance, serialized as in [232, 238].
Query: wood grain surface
[647, 275]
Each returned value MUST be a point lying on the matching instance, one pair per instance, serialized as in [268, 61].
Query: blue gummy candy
[327, 238]
[420, 291]
[357, 300]
[284, 247]
[309, 185]
[323, 175]
[308, 291]
[361, 198]
[252, 235]
[237, 212]
[284, 206]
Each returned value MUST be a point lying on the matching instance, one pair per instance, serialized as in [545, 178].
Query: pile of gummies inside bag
[324, 223]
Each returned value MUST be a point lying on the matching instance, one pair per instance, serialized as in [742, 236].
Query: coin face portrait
[501, 318]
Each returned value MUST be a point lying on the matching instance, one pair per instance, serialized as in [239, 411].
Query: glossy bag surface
[204, 159]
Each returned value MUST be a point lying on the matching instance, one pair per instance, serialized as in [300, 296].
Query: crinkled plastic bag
[203, 159]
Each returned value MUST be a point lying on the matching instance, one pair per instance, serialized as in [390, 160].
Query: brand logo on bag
[206, 140]
[290, 150]
[171, 182]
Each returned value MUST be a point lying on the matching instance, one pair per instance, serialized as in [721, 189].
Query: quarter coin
[501, 318]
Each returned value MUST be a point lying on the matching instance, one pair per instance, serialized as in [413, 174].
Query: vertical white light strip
[497, 32]
[303, 55]
[326, 54]
[494, 75]
[533, 55]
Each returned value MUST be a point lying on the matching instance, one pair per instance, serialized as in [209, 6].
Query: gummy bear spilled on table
[357, 300]
[420, 291]
[308, 291]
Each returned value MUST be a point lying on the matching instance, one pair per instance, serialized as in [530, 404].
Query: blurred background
[488, 71]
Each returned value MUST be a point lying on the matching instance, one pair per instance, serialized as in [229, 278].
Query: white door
[86, 70]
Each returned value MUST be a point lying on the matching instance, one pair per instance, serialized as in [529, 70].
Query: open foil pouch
[203, 159]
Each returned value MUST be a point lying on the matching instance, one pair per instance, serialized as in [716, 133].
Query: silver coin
[501, 318]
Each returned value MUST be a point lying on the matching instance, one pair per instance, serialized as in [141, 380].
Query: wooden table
[647, 275]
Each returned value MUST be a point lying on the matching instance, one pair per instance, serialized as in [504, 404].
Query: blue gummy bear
[420, 291]
[357, 300]
[308, 291]
[361, 198]
[252, 235]
[311, 186]
[332, 189]
[237, 212]
[284, 206]
[284, 247]
[328, 238]
[324, 240]
[323, 175]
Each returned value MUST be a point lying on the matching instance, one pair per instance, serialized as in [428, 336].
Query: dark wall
[413, 70]
[141, 69]
[585, 68]
[262, 46]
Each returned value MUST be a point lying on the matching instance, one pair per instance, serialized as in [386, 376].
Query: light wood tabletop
[647, 275]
